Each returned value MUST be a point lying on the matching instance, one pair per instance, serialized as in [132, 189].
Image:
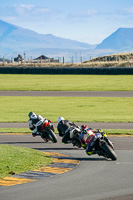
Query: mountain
[120, 40]
[16, 39]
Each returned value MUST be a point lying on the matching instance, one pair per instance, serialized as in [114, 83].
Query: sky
[89, 21]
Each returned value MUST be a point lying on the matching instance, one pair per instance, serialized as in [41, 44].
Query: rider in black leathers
[66, 130]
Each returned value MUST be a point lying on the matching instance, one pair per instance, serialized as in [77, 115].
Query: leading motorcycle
[47, 132]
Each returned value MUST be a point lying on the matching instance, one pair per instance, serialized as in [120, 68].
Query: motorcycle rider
[67, 130]
[35, 123]
[88, 136]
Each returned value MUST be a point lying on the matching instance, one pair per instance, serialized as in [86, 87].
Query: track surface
[95, 178]
[69, 93]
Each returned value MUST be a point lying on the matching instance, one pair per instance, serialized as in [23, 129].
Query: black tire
[52, 136]
[109, 151]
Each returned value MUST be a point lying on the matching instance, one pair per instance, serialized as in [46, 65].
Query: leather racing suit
[65, 129]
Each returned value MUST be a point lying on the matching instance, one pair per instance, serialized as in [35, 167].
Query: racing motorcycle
[75, 135]
[104, 147]
[47, 132]
[101, 145]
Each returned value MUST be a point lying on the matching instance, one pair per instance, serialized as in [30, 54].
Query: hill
[120, 40]
[16, 39]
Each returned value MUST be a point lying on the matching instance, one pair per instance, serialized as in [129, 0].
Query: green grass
[27, 131]
[128, 132]
[67, 82]
[15, 130]
[14, 160]
[78, 109]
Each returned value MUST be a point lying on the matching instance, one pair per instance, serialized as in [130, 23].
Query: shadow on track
[89, 159]
[73, 158]
[53, 148]
[21, 142]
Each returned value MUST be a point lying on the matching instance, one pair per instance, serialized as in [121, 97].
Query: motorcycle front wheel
[52, 136]
[109, 151]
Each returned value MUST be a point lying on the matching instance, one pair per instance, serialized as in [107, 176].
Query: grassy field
[78, 109]
[67, 82]
[20, 159]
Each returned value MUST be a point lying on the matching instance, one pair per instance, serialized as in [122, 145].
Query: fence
[52, 70]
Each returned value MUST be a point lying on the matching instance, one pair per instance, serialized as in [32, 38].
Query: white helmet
[60, 119]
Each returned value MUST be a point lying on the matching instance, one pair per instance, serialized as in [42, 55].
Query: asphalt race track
[95, 178]
[69, 93]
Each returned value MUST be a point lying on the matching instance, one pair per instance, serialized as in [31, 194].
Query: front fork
[109, 142]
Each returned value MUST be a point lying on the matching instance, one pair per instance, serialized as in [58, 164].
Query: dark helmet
[31, 113]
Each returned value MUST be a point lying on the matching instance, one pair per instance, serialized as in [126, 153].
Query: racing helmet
[60, 119]
[31, 113]
[83, 127]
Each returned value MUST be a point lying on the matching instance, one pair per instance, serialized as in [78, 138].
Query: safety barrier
[55, 70]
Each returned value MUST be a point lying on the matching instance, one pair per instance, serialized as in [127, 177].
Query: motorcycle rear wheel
[109, 151]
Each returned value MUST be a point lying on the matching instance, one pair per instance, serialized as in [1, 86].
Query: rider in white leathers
[35, 123]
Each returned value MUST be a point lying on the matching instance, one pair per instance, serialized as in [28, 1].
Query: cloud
[21, 9]
[84, 14]
[28, 12]
[23, 6]
[28, 7]
[90, 13]
[81, 16]
[126, 11]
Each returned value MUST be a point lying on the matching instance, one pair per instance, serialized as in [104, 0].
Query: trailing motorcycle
[104, 147]
[47, 132]
[101, 144]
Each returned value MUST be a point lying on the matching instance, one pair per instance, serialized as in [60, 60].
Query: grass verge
[77, 109]
[127, 132]
[27, 131]
[15, 130]
[66, 82]
[15, 160]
